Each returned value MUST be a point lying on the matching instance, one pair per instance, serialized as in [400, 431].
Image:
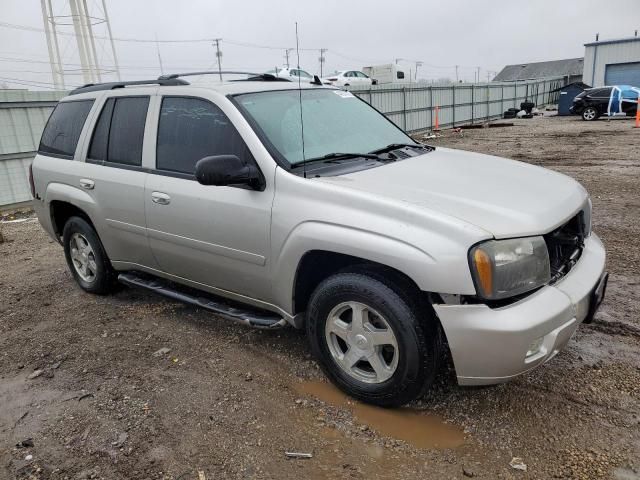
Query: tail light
[31, 184]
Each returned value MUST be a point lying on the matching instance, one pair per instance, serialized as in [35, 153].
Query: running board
[252, 318]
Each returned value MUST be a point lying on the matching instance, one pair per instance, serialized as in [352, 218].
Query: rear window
[60, 136]
[118, 135]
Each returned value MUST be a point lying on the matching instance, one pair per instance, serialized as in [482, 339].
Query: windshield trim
[271, 148]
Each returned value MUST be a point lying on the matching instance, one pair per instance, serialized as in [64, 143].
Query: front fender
[428, 272]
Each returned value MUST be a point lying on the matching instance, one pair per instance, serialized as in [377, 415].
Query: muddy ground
[79, 377]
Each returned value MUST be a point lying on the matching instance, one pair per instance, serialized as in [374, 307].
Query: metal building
[612, 62]
[570, 69]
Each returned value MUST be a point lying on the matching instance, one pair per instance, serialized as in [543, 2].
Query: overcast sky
[472, 33]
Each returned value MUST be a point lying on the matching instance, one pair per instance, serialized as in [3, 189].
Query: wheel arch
[64, 201]
[317, 265]
[61, 211]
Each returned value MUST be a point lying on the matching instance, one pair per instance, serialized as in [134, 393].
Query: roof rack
[253, 77]
[94, 87]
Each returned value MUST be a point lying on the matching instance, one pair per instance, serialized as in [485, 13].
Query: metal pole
[54, 31]
[322, 51]
[113, 47]
[431, 107]
[404, 107]
[92, 42]
[456, 73]
[47, 34]
[472, 103]
[87, 74]
[286, 54]
[488, 102]
[453, 107]
[159, 57]
[218, 56]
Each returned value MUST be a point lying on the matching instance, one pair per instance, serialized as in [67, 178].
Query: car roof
[224, 88]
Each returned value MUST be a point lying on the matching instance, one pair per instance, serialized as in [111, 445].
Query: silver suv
[281, 204]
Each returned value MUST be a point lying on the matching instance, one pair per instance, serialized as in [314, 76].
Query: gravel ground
[87, 392]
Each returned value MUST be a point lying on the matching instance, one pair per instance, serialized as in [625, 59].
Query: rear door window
[60, 136]
[190, 129]
[119, 132]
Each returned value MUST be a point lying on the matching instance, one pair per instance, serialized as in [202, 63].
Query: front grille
[565, 246]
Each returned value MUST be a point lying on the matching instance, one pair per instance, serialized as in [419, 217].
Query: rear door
[114, 176]
[215, 236]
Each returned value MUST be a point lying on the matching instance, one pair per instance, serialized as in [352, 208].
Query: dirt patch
[222, 399]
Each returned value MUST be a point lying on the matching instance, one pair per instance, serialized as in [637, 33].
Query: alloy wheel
[362, 342]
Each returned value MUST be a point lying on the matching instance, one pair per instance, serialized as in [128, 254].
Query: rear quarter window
[62, 132]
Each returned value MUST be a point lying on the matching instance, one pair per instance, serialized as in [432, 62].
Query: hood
[503, 197]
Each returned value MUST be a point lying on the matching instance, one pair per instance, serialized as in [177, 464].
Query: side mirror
[223, 170]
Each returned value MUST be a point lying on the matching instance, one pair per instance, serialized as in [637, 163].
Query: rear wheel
[86, 257]
[590, 113]
[372, 339]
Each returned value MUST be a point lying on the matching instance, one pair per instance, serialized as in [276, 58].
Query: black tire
[589, 114]
[413, 324]
[104, 280]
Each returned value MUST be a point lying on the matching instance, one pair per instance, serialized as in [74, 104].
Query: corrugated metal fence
[23, 115]
[413, 106]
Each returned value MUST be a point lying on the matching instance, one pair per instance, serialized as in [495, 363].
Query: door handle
[160, 198]
[87, 184]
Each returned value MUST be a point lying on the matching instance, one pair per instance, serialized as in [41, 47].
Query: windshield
[334, 121]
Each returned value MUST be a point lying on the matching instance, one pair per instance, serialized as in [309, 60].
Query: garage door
[623, 74]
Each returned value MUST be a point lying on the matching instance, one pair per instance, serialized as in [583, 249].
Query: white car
[349, 77]
[292, 74]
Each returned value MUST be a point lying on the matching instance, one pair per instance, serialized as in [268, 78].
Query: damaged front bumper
[493, 345]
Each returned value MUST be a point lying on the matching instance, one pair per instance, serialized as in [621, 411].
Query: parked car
[390, 253]
[349, 77]
[595, 102]
[292, 74]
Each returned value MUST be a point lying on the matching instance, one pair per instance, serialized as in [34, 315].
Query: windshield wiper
[331, 157]
[395, 146]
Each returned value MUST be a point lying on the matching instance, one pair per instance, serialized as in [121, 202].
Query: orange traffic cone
[638, 114]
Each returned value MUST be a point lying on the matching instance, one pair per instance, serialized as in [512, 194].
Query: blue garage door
[623, 74]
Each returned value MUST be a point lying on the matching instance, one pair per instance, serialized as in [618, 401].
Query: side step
[252, 317]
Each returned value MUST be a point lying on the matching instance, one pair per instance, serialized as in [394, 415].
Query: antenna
[304, 160]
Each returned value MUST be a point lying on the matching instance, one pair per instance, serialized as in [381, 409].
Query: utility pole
[322, 59]
[159, 57]
[478, 74]
[219, 57]
[457, 73]
[418, 64]
[286, 56]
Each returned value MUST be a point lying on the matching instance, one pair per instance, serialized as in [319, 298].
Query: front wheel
[590, 113]
[372, 339]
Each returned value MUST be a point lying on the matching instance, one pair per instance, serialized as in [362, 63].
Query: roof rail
[94, 87]
[171, 76]
[255, 77]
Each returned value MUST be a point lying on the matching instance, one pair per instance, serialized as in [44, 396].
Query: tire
[407, 368]
[590, 114]
[82, 247]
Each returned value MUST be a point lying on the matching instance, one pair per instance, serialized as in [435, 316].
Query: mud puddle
[416, 428]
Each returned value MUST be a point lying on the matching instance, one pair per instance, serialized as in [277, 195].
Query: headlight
[504, 268]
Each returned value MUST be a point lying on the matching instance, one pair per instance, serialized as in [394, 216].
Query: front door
[216, 236]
